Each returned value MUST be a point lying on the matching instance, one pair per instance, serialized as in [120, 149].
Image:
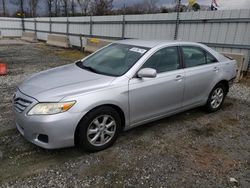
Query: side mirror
[147, 73]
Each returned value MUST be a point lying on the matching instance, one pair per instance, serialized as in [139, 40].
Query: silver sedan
[123, 85]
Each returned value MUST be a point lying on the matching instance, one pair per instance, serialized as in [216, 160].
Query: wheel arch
[225, 83]
[115, 107]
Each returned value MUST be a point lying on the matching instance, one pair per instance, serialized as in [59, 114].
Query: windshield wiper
[89, 68]
[80, 64]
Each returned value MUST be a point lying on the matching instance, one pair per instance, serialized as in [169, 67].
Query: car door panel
[151, 97]
[198, 83]
[201, 73]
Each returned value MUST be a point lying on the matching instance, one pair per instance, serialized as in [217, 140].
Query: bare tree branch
[101, 7]
[65, 4]
[33, 7]
[20, 4]
[84, 6]
[4, 7]
[72, 6]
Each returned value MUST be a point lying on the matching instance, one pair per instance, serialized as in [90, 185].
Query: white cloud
[234, 4]
[227, 4]
[224, 4]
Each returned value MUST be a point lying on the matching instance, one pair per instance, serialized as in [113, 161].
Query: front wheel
[216, 98]
[99, 129]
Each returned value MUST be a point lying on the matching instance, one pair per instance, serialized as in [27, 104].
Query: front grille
[21, 104]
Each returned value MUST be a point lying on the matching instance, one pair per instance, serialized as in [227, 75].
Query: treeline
[55, 8]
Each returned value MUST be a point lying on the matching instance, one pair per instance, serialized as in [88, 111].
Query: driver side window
[164, 60]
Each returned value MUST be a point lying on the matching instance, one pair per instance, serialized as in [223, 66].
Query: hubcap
[101, 130]
[217, 98]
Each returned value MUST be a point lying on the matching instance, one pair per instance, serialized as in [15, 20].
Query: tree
[144, 7]
[33, 7]
[53, 7]
[49, 5]
[164, 10]
[193, 5]
[150, 6]
[101, 7]
[4, 7]
[84, 6]
[57, 7]
[65, 4]
[72, 6]
[20, 4]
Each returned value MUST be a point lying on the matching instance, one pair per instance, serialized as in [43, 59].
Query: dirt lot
[191, 149]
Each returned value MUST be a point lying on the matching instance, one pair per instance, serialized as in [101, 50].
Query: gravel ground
[241, 91]
[191, 149]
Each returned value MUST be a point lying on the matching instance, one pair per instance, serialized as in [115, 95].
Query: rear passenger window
[193, 56]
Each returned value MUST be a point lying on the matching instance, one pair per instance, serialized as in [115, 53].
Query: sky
[224, 4]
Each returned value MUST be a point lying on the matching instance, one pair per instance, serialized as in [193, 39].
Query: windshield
[114, 60]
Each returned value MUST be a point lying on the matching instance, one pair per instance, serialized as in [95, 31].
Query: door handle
[178, 78]
[216, 69]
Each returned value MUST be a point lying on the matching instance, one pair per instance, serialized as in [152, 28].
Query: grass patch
[72, 54]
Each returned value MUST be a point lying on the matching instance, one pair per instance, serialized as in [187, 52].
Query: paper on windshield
[138, 50]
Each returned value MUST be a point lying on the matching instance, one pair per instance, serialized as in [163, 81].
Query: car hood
[60, 82]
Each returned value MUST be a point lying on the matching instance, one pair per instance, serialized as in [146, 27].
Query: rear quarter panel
[228, 69]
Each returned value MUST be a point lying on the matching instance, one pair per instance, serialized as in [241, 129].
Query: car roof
[152, 43]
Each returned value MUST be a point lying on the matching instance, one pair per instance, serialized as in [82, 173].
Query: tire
[98, 130]
[216, 98]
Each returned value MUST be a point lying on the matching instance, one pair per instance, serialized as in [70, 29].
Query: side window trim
[178, 53]
[181, 59]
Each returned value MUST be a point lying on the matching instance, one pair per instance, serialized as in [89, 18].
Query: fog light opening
[43, 138]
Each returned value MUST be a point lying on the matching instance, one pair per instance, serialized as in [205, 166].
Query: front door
[153, 97]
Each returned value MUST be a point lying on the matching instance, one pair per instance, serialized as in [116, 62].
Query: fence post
[23, 26]
[123, 26]
[67, 32]
[177, 20]
[91, 27]
[50, 25]
[22, 16]
[35, 25]
[81, 43]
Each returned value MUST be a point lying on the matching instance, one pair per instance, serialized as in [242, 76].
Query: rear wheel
[99, 129]
[216, 98]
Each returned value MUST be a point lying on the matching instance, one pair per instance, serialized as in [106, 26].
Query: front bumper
[59, 128]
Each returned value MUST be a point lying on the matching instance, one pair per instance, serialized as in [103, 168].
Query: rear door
[152, 97]
[201, 74]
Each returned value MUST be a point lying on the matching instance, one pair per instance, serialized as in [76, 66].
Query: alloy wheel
[217, 98]
[101, 130]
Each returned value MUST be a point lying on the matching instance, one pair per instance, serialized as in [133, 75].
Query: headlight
[50, 108]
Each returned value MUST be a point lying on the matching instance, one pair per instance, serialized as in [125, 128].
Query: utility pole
[123, 20]
[22, 13]
[177, 19]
